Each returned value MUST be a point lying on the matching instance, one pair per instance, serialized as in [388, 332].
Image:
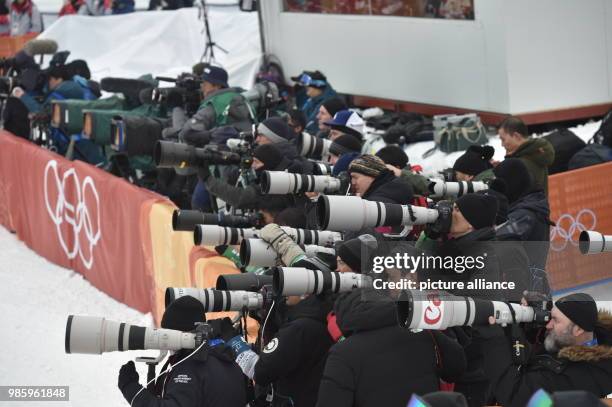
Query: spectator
[537, 154]
[5, 26]
[25, 18]
[70, 7]
[122, 6]
[96, 8]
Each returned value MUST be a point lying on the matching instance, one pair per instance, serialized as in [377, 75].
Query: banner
[77, 216]
[579, 200]
[9, 46]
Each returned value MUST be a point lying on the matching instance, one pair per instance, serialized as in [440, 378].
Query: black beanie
[276, 129]
[270, 156]
[479, 210]
[580, 308]
[182, 314]
[350, 251]
[345, 144]
[334, 105]
[393, 155]
[475, 160]
[516, 176]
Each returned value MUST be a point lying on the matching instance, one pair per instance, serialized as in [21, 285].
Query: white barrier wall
[517, 56]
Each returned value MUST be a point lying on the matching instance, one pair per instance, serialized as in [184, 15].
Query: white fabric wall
[518, 56]
[163, 43]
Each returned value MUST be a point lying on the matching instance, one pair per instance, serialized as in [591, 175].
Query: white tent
[161, 42]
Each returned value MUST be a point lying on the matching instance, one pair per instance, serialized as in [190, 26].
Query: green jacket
[537, 154]
[418, 182]
[485, 176]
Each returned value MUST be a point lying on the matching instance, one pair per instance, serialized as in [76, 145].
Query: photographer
[379, 363]
[393, 156]
[59, 86]
[528, 211]
[346, 122]
[371, 180]
[221, 106]
[345, 144]
[276, 131]
[578, 355]
[327, 111]
[206, 379]
[474, 164]
[265, 157]
[293, 360]
[471, 235]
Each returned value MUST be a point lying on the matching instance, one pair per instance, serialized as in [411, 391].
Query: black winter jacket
[211, 381]
[531, 213]
[573, 368]
[389, 189]
[379, 363]
[294, 359]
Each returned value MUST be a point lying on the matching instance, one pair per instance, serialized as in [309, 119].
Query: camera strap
[520, 355]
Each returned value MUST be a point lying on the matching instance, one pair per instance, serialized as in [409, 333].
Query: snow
[36, 298]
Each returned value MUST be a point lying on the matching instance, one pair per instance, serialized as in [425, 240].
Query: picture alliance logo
[74, 208]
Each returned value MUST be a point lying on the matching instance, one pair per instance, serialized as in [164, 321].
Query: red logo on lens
[433, 313]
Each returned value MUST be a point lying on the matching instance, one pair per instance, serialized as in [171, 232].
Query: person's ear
[577, 331]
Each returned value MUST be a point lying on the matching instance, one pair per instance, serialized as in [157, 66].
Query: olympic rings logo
[568, 229]
[76, 214]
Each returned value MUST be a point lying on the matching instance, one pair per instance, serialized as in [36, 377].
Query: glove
[223, 328]
[127, 375]
[245, 357]
[282, 243]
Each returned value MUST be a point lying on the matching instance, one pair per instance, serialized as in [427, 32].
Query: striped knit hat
[369, 165]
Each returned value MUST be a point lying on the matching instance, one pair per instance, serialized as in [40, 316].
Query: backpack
[457, 132]
[566, 144]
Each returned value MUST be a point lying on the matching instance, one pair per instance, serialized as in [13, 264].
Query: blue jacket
[311, 108]
[66, 90]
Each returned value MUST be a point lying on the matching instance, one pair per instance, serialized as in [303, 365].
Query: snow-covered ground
[36, 298]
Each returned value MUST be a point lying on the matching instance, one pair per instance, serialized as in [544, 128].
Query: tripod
[209, 51]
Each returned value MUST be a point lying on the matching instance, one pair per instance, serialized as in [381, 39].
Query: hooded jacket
[531, 217]
[573, 368]
[379, 363]
[389, 189]
[206, 379]
[537, 154]
[294, 359]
